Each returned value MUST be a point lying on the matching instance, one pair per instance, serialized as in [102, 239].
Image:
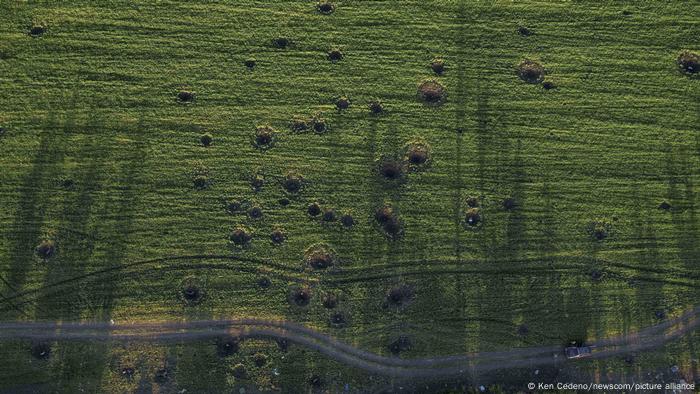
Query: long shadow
[27, 227]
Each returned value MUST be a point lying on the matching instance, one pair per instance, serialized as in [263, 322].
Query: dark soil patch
[241, 236]
[549, 85]
[400, 344]
[510, 204]
[264, 282]
[284, 202]
[329, 215]
[186, 96]
[292, 183]
[432, 92]
[343, 103]
[255, 212]
[335, 55]
[391, 170]
[278, 236]
[689, 62]
[264, 136]
[128, 372]
[319, 256]
[37, 31]
[376, 107]
[250, 63]
[473, 217]
[523, 330]
[338, 319]
[300, 296]
[400, 295]
[524, 31]
[531, 72]
[281, 42]
[393, 228]
[40, 350]
[259, 359]
[239, 371]
[347, 220]
[46, 249]
[227, 346]
[206, 139]
[665, 206]
[438, 66]
[192, 291]
[314, 209]
[325, 7]
[300, 124]
[162, 375]
[329, 300]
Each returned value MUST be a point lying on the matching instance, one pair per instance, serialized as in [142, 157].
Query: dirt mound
[192, 291]
[300, 296]
[264, 137]
[206, 139]
[255, 212]
[432, 92]
[250, 63]
[319, 256]
[347, 220]
[417, 154]
[326, 7]
[391, 170]
[338, 319]
[329, 215]
[40, 350]
[438, 66]
[329, 300]
[335, 55]
[473, 217]
[531, 72]
[259, 359]
[376, 107]
[278, 236]
[292, 182]
[186, 96]
[319, 124]
[342, 103]
[314, 209]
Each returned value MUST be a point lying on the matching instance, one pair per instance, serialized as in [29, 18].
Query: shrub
[342, 103]
[335, 55]
[128, 372]
[432, 92]
[531, 72]
[200, 181]
[665, 205]
[438, 66]
[549, 85]
[264, 282]
[472, 202]
[46, 249]
[689, 62]
[206, 139]
[384, 214]
[233, 206]
[314, 209]
[473, 217]
[319, 256]
[393, 228]
[325, 7]
[186, 96]
[240, 236]
[257, 181]
[376, 107]
[264, 136]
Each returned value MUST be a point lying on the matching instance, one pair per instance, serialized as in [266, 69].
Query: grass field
[100, 157]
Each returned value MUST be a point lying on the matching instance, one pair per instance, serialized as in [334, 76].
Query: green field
[100, 158]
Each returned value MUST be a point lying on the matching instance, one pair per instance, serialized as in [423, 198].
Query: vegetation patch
[524, 31]
[264, 137]
[259, 360]
[319, 256]
[391, 169]
[234, 206]
[241, 236]
[600, 229]
[389, 221]
[300, 124]
[530, 71]
[329, 300]
[417, 154]
[200, 176]
[432, 92]
[689, 62]
[239, 371]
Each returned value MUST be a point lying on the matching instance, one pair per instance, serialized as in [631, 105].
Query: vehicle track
[453, 365]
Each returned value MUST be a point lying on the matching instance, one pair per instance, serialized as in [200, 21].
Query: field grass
[99, 156]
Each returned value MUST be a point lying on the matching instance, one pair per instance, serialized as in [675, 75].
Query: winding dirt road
[455, 365]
